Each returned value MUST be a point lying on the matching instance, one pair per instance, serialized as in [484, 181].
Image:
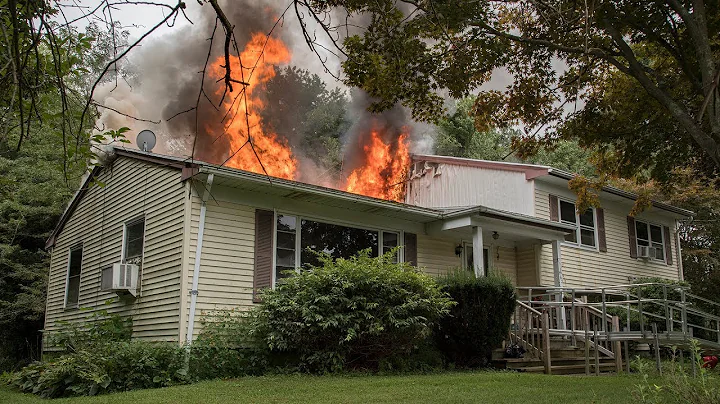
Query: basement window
[584, 234]
[72, 284]
[297, 238]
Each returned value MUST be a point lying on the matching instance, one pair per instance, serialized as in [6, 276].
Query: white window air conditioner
[645, 251]
[125, 278]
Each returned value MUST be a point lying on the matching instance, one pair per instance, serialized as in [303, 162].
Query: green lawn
[487, 387]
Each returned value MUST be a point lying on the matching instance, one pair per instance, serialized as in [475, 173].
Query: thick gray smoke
[167, 81]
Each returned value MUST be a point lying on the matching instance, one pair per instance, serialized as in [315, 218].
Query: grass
[458, 387]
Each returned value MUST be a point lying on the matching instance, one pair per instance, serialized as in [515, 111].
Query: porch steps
[560, 365]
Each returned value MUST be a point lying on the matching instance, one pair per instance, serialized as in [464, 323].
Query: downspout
[198, 254]
[681, 272]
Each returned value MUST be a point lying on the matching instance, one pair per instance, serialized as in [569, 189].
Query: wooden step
[569, 369]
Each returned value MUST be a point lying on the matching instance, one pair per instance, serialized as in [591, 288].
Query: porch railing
[604, 318]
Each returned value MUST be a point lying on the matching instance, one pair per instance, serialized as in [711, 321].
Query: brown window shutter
[411, 249]
[602, 242]
[632, 236]
[668, 245]
[262, 275]
[554, 215]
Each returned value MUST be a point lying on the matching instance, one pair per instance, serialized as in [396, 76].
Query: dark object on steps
[514, 351]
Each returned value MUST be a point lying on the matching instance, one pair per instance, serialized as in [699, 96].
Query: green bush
[350, 314]
[106, 368]
[99, 329]
[677, 384]
[227, 347]
[480, 320]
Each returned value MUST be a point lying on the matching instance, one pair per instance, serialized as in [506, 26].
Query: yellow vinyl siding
[436, 256]
[590, 268]
[503, 260]
[132, 188]
[226, 261]
[526, 266]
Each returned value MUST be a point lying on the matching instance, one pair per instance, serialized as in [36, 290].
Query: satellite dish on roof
[146, 140]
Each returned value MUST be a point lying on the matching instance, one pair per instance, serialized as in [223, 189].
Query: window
[133, 244]
[584, 233]
[651, 236]
[468, 251]
[390, 241]
[72, 285]
[295, 236]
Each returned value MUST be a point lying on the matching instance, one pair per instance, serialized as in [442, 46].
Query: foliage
[300, 108]
[99, 329]
[106, 368]
[228, 346]
[480, 320]
[629, 68]
[677, 385]
[33, 194]
[458, 136]
[350, 313]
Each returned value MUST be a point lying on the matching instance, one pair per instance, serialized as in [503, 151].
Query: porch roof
[510, 225]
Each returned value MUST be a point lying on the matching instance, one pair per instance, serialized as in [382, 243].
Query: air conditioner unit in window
[644, 251]
[125, 278]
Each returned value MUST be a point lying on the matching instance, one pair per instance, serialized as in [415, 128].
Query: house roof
[535, 171]
[299, 191]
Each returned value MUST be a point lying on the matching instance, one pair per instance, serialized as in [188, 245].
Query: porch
[511, 244]
[568, 330]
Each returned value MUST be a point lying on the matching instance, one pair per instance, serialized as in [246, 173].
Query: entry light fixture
[459, 250]
[495, 235]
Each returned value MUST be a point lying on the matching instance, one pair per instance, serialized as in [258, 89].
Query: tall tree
[668, 50]
[458, 136]
[300, 108]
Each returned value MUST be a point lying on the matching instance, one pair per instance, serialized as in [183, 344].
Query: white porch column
[557, 274]
[478, 251]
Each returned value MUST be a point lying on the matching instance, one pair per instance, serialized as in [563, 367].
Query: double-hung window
[72, 284]
[650, 236]
[584, 234]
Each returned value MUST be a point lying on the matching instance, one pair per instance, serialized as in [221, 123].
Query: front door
[468, 262]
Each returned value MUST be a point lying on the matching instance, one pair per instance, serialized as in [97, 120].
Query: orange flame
[383, 173]
[259, 59]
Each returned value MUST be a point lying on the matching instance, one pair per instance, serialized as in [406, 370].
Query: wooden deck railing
[586, 315]
[531, 329]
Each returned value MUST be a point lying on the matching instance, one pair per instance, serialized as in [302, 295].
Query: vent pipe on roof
[198, 255]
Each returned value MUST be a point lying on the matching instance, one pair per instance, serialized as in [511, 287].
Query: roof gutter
[625, 194]
[320, 191]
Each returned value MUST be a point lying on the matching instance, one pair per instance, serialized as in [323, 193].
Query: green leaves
[349, 313]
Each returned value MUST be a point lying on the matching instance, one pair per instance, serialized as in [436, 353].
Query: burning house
[204, 223]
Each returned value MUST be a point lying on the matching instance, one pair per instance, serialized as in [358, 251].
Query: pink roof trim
[531, 170]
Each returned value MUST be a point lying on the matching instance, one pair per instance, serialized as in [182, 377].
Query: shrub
[101, 328]
[677, 385]
[227, 347]
[106, 368]
[480, 320]
[350, 313]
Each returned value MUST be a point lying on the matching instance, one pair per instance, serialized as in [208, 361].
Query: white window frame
[81, 247]
[298, 243]
[650, 241]
[125, 240]
[578, 243]
[486, 248]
